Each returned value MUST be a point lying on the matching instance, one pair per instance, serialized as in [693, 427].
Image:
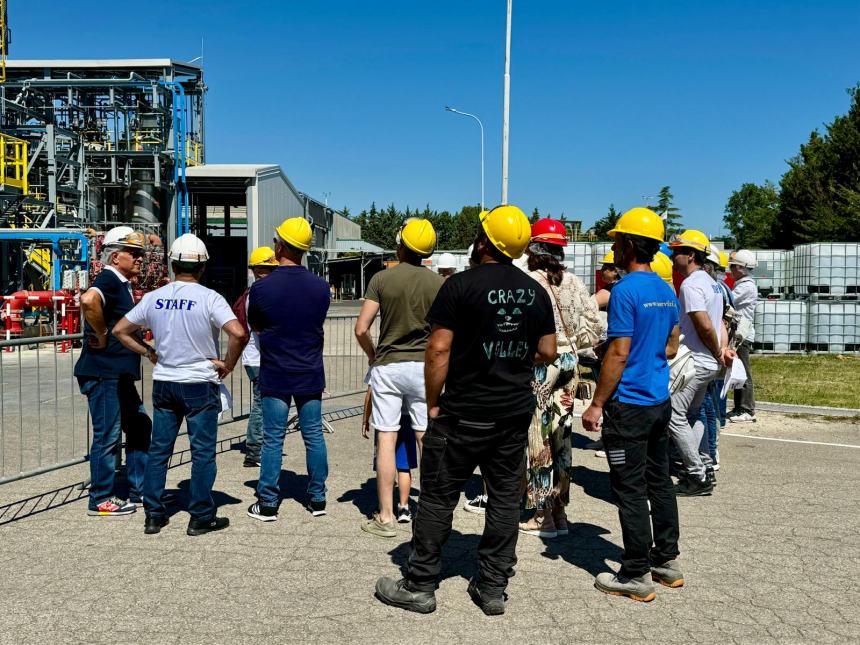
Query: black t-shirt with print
[498, 314]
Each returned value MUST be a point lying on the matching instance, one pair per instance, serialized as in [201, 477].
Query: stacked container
[827, 269]
[833, 326]
[771, 274]
[578, 260]
[781, 326]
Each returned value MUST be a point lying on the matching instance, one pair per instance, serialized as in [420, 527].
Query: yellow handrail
[193, 152]
[13, 162]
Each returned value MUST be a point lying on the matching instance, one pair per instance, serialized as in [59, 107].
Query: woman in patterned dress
[577, 324]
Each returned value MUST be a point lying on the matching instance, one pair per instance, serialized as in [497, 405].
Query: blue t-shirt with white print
[643, 308]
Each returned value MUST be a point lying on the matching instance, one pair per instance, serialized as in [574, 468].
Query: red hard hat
[549, 231]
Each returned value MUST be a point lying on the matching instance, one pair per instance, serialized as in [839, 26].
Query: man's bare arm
[368, 312]
[436, 358]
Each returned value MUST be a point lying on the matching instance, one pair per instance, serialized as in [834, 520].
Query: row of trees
[817, 199]
[664, 205]
[453, 230]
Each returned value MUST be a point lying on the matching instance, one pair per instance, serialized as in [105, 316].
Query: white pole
[507, 107]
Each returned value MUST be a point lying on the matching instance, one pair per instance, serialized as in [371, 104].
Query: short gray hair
[107, 252]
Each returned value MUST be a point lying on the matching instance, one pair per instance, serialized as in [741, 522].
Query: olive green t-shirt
[404, 293]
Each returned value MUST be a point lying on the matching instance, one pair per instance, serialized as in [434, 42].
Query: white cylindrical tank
[780, 326]
[827, 269]
[833, 326]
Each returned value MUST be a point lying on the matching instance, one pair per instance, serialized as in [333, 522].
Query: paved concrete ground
[773, 556]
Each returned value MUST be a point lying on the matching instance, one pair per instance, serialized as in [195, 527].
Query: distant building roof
[98, 63]
[229, 169]
[357, 246]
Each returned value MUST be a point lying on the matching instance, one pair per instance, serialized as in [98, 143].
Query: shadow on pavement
[364, 497]
[293, 486]
[593, 483]
[585, 548]
[459, 556]
[183, 494]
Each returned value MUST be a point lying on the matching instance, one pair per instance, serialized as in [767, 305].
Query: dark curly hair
[549, 263]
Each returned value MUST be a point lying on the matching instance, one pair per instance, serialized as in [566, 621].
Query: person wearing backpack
[633, 405]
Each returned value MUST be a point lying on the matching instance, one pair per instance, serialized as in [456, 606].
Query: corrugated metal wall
[270, 201]
[345, 229]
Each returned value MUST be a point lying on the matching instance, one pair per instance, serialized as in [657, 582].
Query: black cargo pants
[452, 449]
[636, 440]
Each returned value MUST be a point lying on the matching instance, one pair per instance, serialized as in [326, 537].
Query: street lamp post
[481, 125]
[507, 106]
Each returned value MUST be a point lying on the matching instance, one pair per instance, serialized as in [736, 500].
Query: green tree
[820, 192]
[535, 216]
[606, 223]
[752, 215]
[665, 208]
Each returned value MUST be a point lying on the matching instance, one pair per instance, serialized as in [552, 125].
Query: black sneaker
[492, 604]
[154, 524]
[251, 462]
[316, 508]
[710, 475]
[404, 515]
[692, 487]
[263, 513]
[398, 594]
[477, 505]
[200, 527]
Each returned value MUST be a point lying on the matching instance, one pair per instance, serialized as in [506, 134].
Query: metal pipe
[507, 106]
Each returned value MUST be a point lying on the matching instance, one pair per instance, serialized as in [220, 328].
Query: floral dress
[554, 385]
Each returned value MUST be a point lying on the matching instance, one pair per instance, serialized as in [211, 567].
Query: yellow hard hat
[296, 232]
[262, 256]
[508, 229]
[724, 260]
[662, 266]
[691, 239]
[609, 258]
[418, 235]
[640, 221]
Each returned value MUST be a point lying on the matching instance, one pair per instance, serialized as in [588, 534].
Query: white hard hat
[188, 248]
[447, 261]
[743, 258]
[124, 236]
[714, 255]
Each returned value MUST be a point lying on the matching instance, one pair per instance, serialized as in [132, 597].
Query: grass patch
[826, 379]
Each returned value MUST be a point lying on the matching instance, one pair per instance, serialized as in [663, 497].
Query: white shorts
[395, 389]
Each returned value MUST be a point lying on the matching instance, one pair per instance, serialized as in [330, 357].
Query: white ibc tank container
[780, 326]
[833, 326]
[770, 273]
[827, 269]
[578, 260]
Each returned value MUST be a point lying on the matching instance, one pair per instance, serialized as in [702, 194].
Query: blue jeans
[114, 406]
[709, 415]
[254, 433]
[721, 401]
[276, 412]
[199, 404]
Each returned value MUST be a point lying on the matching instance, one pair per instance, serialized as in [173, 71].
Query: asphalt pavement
[772, 557]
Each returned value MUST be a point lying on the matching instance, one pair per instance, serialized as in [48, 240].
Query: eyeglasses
[134, 253]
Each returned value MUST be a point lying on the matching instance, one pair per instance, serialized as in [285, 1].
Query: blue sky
[609, 101]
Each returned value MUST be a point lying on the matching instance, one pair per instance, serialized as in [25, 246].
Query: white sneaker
[743, 417]
[600, 454]
[717, 460]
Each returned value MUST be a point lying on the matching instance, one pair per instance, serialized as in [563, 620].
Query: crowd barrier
[44, 419]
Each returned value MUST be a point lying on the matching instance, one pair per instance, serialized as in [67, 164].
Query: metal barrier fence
[44, 419]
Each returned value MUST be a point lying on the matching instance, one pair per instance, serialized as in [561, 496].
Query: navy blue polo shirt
[114, 360]
[288, 310]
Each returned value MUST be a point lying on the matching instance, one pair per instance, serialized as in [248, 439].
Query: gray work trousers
[687, 434]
